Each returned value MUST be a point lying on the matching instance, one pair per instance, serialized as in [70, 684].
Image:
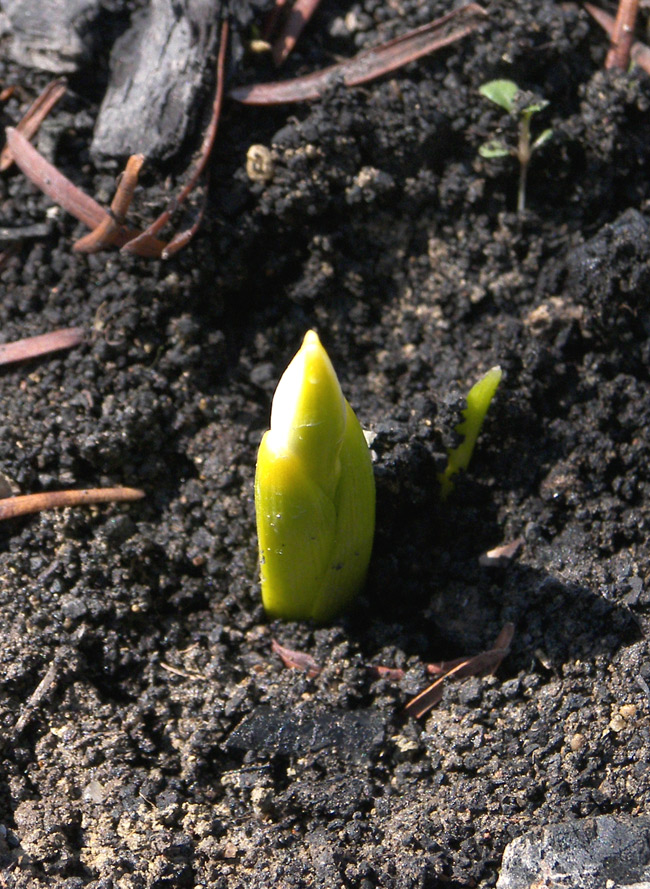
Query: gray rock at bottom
[607, 852]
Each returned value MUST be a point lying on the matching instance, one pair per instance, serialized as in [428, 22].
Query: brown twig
[107, 233]
[622, 36]
[183, 673]
[72, 199]
[432, 695]
[7, 93]
[485, 662]
[24, 504]
[36, 113]
[204, 155]
[43, 344]
[292, 28]
[393, 674]
[53, 183]
[47, 683]
[369, 64]
[639, 52]
[272, 18]
[182, 238]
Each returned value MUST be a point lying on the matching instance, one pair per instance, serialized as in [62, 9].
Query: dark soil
[169, 746]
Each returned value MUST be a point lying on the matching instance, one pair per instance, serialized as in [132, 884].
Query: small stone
[617, 723]
[262, 800]
[405, 748]
[259, 163]
[229, 850]
[94, 792]
[577, 742]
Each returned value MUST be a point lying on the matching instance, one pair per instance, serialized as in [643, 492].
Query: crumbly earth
[168, 746]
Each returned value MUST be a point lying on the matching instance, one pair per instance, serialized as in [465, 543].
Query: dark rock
[353, 734]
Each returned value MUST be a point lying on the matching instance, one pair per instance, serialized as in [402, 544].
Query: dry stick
[622, 35]
[7, 93]
[292, 28]
[34, 116]
[272, 18]
[72, 199]
[485, 662]
[53, 183]
[639, 52]
[181, 239]
[105, 233]
[11, 507]
[43, 344]
[369, 64]
[204, 155]
[432, 695]
[393, 674]
[47, 683]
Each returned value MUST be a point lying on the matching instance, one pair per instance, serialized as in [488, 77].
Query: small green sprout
[314, 494]
[479, 398]
[507, 94]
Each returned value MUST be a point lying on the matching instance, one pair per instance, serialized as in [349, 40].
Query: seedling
[507, 94]
[314, 494]
[479, 399]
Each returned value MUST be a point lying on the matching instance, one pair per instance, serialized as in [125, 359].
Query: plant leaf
[355, 525]
[494, 148]
[501, 92]
[534, 107]
[308, 413]
[479, 398]
[296, 522]
[542, 139]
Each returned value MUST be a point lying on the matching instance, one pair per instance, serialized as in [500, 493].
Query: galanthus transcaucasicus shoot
[314, 494]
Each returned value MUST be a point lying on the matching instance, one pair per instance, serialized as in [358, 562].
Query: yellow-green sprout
[314, 494]
[479, 398]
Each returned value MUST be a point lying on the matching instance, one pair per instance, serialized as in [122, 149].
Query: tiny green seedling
[314, 494]
[479, 399]
[508, 96]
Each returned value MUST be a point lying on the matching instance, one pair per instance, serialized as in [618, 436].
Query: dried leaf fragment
[501, 555]
[296, 660]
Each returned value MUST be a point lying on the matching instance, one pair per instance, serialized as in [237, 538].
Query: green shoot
[479, 399]
[508, 96]
[314, 494]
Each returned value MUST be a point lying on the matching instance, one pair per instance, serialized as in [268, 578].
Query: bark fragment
[157, 69]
